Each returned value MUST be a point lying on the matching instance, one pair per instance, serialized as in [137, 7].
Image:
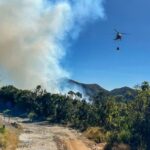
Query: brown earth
[45, 137]
[76, 145]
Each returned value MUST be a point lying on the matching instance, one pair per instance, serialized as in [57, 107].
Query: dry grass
[8, 140]
[95, 133]
[8, 137]
[12, 140]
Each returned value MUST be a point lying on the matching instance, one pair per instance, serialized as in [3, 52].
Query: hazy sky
[92, 57]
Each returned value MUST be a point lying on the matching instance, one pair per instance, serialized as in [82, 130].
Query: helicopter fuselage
[118, 36]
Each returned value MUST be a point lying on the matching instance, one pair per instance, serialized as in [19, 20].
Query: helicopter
[119, 35]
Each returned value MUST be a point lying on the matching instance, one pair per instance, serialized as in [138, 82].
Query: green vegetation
[2, 129]
[32, 116]
[114, 121]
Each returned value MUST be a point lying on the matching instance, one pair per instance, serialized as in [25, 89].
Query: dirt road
[42, 137]
[76, 145]
[35, 137]
[45, 137]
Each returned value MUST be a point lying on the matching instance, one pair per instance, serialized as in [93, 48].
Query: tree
[79, 95]
[145, 86]
[71, 94]
[39, 91]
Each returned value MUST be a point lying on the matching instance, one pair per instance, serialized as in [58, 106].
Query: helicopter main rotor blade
[125, 33]
[115, 30]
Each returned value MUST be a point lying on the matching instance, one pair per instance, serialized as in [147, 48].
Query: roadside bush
[95, 133]
[124, 136]
[119, 137]
[32, 116]
[2, 129]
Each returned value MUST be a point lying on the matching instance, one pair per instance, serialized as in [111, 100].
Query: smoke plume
[32, 34]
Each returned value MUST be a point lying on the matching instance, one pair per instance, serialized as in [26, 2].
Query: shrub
[32, 116]
[124, 136]
[95, 133]
[2, 129]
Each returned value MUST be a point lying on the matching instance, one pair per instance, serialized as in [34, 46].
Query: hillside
[126, 93]
[89, 89]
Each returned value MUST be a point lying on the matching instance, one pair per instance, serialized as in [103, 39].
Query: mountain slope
[89, 89]
[124, 93]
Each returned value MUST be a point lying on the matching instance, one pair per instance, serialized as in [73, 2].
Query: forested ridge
[125, 122]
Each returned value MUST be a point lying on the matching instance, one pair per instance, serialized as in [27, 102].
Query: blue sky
[92, 57]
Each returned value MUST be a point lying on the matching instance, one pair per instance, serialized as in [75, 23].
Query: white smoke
[32, 34]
